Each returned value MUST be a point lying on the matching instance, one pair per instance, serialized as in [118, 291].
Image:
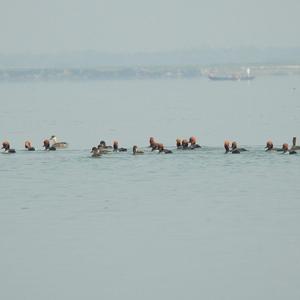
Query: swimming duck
[285, 149]
[6, 147]
[154, 146]
[136, 151]
[116, 147]
[46, 145]
[151, 142]
[178, 144]
[28, 146]
[161, 149]
[227, 146]
[193, 143]
[235, 149]
[103, 150]
[95, 152]
[185, 144]
[56, 144]
[270, 147]
[103, 145]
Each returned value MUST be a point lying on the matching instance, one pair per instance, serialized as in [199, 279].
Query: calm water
[191, 225]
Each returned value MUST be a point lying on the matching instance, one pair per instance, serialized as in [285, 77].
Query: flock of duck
[52, 144]
[189, 144]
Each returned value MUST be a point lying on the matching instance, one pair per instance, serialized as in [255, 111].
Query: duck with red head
[193, 143]
[6, 147]
[178, 144]
[269, 146]
[136, 151]
[151, 142]
[28, 146]
[227, 146]
[285, 149]
[116, 147]
[46, 145]
[154, 146]
[235, 149]
[161, 149]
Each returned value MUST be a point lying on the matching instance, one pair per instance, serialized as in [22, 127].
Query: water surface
[191, 225]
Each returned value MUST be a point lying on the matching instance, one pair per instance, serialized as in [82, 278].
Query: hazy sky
[39, 26]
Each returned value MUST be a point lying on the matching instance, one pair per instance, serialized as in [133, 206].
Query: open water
[190, 225]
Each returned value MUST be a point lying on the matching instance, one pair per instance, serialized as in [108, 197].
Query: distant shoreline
[143, 72]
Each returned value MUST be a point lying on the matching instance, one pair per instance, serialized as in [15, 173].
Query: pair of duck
[233, 148]
[7, 149]
[184, 144]
[115, 147]
[159, 147]
[46, 145]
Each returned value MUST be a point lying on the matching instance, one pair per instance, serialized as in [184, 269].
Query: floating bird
[6, 147]
[28, 146]
[136, 151]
